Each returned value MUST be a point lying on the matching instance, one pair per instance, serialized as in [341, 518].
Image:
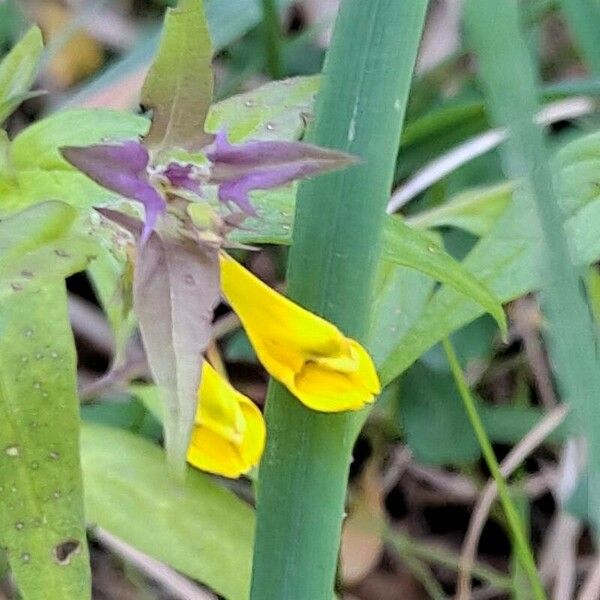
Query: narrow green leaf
[179, 86]
[227, 21]
[474, 210]
[196, 526]
[41, 522]
[507, 261]
[411, 248]
[401, 294]
[18, 70]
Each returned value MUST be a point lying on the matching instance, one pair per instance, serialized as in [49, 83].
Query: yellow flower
[324, 369]
[229, 433]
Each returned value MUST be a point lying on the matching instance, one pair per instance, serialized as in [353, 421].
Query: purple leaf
[121, 168]
[176, 289]
[263, 165]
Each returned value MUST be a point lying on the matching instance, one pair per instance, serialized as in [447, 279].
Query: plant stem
[272, 35]
[335, 252]
[522, 548]
[430, 553]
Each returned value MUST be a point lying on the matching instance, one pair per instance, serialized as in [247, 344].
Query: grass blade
[332, 271]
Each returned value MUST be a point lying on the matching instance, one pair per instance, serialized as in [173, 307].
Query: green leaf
[475, 210]
[18, 71]
[197, 527]
[179, 86]
[278, 110]
[228, 21]
[505, 261]
[410, 248]
[39, 245]
[400, 296]
[433, 417]
[41, 523]
[111, 276]
[36, 171]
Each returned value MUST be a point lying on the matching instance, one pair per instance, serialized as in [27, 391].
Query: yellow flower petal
[229, 434]
[324, 369]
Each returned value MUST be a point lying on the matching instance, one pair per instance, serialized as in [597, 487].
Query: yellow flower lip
[229, 434]
[325, 370]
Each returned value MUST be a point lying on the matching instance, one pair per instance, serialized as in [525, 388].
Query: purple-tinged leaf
[121, 168]
[175, 292]
[264, 165]
[176, 288]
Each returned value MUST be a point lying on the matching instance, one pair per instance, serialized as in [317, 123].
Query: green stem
[434, 555]
[337, 234]
[273, 41]
[522, 548]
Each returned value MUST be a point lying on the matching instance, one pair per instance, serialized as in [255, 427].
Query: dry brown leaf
[362, 542]
[80, 55]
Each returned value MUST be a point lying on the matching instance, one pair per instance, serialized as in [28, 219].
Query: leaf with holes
[41, 523]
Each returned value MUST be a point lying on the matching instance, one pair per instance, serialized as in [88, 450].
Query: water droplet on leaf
[12, 451]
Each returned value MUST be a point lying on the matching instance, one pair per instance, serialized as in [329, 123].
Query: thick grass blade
[337, 242]
[509, 80]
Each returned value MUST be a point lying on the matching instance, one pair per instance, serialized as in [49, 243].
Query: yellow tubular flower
[229, 433]
[324, 369]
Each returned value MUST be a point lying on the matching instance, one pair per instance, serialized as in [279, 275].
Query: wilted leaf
[179, 86]
[196, 526]
[18, 70]
[41, 521]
